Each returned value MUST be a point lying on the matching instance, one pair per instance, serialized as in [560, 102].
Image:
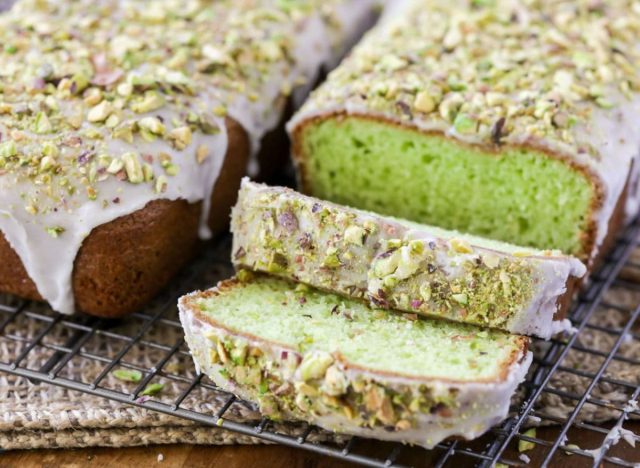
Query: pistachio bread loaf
[511, 120]
[402, 265]
[301, 354]
[126, 126]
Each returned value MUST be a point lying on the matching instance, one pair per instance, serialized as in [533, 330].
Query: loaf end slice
[302, 354]
[398, 264]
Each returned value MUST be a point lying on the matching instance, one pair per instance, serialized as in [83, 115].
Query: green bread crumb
[128, 375]
[524, 445]
[152, 389]
[520, 196]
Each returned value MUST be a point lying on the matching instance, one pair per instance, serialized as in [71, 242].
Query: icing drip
[616, 433]
[92, 141]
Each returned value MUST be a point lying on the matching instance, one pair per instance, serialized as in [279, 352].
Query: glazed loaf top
[558, 76]
[107, 105]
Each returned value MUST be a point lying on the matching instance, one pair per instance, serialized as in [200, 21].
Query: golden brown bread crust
[273, 156]
[123, 264]
[233, 169]
[616, 224]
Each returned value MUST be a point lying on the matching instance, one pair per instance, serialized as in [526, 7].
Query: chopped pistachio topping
[152, 389]
[337, 248]
[202, 153]
[100, 112]
[461, 246]
[85, 87]
[314, 365]
[495, 71]
[55, 231]
[524, 445]
[128, 375]
[322, 387]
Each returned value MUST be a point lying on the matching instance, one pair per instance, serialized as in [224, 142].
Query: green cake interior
[519, 195]
[305, 319]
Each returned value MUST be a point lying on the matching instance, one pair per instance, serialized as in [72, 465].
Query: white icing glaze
[49, 260]
[479, 406]
[539, 318]
[614, 435]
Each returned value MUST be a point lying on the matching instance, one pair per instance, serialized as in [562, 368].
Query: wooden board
[179, 456]
[173, 456]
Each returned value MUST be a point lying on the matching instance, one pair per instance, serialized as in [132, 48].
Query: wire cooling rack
[549, 446]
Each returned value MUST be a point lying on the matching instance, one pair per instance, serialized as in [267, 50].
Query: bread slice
[125, 128]
[301, 354]
[402, 265]
[511, 120]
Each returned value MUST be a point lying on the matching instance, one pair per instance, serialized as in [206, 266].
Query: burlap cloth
[36, 415]
[43, 416]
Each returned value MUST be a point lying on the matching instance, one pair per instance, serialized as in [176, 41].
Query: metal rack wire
[550, 446]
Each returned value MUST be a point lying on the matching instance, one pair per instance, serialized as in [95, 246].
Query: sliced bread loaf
[402, 265]
[306, 355]
[511, 120]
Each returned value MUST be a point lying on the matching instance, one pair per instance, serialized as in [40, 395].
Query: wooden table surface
[169, 456]
[179, 456]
